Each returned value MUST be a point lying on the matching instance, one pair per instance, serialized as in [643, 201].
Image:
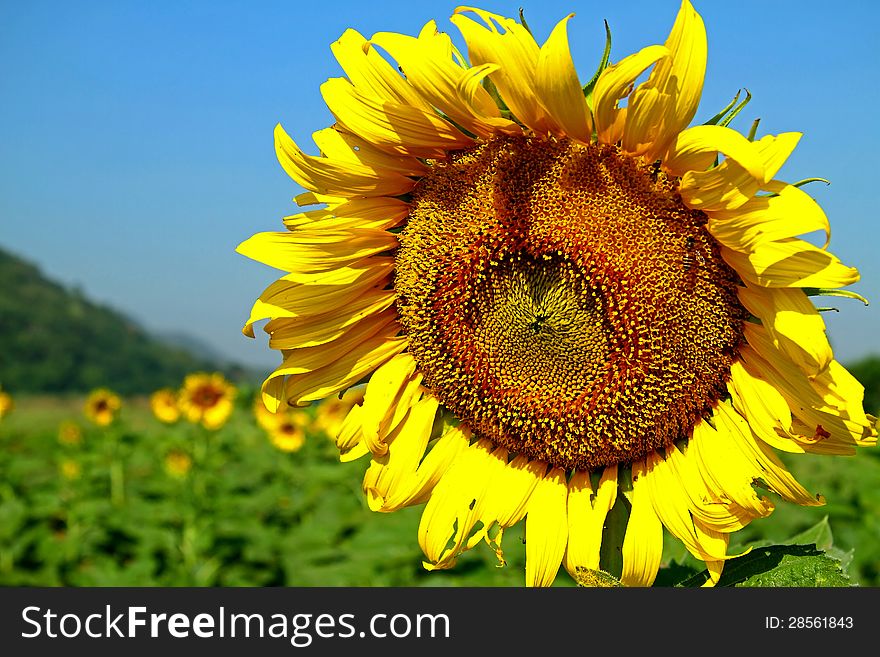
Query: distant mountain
[55, 340]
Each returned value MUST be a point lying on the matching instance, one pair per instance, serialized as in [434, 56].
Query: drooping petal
[587, 511]
[695, 149]
[546, 529]
[789, 212]
[790, 262]
[327, 176]
[643, 542]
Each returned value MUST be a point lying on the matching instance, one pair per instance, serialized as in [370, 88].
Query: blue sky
[136, 138]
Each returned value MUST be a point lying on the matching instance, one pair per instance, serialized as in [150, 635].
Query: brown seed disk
[563, 302]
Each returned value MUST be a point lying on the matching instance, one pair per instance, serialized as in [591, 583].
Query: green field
[106, 512]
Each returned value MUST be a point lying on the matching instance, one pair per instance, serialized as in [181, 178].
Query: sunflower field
[146, 502]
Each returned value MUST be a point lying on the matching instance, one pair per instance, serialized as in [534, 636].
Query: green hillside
[55, 340]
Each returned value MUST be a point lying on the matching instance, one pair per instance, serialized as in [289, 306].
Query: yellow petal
[643, 542]
[370, 74]
[790, 213]
[437, 461]
[730, 185]
[666, 102]
[558, 87]
[342, 146]
[382, 397]
[715, 513]
[586, 518]
[695, 149]
[346, 371]
[321, 174]
[507, 499]
[455, 506]
[393, 127]
[671, 505]
[429, 67]
[790, 262]
[726, 472]
[392, 473]
[310, 251]
[794, 325]
[546, 529]
[516, 54]
[765, 409]
[768, 466]
[378, 212]
[614, 83]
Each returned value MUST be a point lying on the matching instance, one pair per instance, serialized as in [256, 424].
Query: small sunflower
[568, 311]
[178, 463]
[101, 406]
[69, 433]
[70, 469]
[6, 404]
[164, 405]
[288, 432]
[207, 398]
[285, 428]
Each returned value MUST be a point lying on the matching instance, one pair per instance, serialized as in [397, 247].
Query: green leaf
[780, 566]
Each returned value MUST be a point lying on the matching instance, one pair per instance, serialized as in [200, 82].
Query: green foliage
[245, 515]
[867, 371]
[57, 341]
[249, 515]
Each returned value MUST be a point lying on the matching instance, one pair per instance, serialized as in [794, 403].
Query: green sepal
[522, 21]
[801, 183]
[828, 292]
[725, 116]
[603, 64]
[753, 130]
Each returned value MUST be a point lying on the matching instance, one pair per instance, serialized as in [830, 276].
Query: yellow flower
[163, 402]
[285, 428]
[178, 463]
[69, 433]
[70, 469]
[101, 406]
[567, 314]
[207, 398]
[331, 412]
[287, 434]
[6, 404]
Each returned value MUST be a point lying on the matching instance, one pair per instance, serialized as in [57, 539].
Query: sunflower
[6, 404]
[163, 403]
[285, 428]
[178, 463]
[207, 398]
[69, 433]
[287, 433]
[101, 406]
[570, 311]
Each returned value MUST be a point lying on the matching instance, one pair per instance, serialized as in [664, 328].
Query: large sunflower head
[164, 404]
[101, 406]
[206, 399]
[571, 307]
